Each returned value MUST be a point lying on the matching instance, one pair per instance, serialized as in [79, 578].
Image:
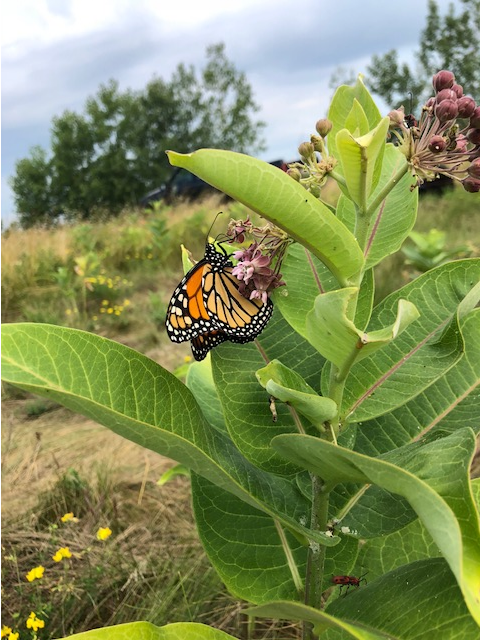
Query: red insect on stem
[348, 581]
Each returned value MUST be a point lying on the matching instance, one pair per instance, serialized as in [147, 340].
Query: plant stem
[316, 551]
[398, 175]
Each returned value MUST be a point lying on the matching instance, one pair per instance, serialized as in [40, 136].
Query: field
[115, 278]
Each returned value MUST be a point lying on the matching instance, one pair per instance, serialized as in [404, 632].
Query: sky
[56, 53]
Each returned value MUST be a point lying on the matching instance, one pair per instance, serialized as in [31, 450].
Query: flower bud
[446, 94]
[446, 110]
[294, 173]
[472, 185]
[475, 119]
[466, 106]
[397, 118]
[323, 127]
[458, 90]
[306, 149]
[461, 143]
[437, 144]
[430, 103]
[474, 169]
[317, 143]
[473, 136]
[443, 80]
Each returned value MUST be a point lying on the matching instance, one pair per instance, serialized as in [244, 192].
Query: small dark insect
[410, 121]
[273, 408]
[348, 581]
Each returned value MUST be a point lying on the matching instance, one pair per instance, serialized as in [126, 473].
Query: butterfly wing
[208, 308]
[229, 310]
[202, 343]
[186, 313]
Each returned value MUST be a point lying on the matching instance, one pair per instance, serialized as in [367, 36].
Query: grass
[54, 461]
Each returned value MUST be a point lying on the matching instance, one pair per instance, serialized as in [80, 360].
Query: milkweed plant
[335, 448]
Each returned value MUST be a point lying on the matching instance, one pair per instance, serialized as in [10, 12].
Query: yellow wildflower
[110, 310]
[68, 312]
[35, 574]
[94, 318]
[69, 517]
[104, 303]
[34, 623]
[63, 552]
[103, 533]
[5, 631]
[187, 359]
[126, 302]
[13, 636]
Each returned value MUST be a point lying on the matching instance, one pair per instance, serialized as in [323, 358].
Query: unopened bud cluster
[439, 144]
[316, 164]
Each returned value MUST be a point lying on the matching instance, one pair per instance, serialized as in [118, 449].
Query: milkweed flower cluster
[446, 140]
[258, 266]
[317, 164]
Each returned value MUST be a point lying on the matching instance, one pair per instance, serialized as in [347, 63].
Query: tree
[31, 186]
[114, 152]
[451, 42]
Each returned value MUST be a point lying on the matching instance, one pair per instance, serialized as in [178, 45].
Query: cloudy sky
[55, 53]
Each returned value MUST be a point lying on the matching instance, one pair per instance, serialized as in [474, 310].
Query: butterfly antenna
[211, 226]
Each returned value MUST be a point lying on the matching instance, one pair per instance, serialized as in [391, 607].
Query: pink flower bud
[474, 169]
[475, 119]
[461, 143]
[471, 185]
[443, 80]
[437, 144]
[446, 110]
[397, 117]
[458, 90]
[430, 103]
[446, 94]
[466, 106]
[473, 136]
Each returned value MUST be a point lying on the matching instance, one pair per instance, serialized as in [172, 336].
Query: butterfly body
[208, 309]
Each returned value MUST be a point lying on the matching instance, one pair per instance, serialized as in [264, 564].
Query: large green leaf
[277, 197]
[148, 631]
[446, 406]
[422, 354]
[362, 157]
[344, 106]
[254, 556]
[138, 399]
[246, 404]
[330, 330]
[320, 620]
[306, 277]
[394, 215]
[388, 552]
[200, 382]
[433, 477]
[418, 601]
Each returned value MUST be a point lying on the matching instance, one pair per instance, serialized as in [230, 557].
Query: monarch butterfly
[208, 309]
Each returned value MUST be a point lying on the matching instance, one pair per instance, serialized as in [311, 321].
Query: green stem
[398, 175]
[316, 551]
[338, 178]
